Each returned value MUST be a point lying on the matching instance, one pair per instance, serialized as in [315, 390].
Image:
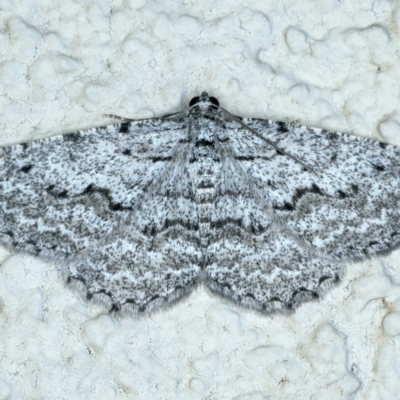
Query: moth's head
[203, 103]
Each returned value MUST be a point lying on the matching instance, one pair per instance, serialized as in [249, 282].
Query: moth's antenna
[124, 119]
[272, 144]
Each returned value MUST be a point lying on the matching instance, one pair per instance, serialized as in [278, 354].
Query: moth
[138, 213]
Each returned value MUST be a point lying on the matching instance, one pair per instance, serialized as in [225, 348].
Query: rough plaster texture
[329, 63]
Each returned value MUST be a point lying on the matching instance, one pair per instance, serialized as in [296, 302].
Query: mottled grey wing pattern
[153, 257]
[345, 206]
[253, 257]
[60, 195]
[280, 232]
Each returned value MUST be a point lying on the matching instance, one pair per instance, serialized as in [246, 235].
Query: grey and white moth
[138, 213]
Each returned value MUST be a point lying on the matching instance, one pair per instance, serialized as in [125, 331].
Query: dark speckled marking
[124, 128]
[72, 137]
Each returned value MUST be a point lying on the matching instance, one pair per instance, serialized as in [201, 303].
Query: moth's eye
[194, 101]
[214, 101]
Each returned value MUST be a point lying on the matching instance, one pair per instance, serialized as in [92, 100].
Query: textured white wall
[329, 63]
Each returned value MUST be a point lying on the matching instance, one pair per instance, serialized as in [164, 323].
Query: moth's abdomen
[204, 168]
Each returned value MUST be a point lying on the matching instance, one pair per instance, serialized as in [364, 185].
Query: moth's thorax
[204, 167]
[203, 103]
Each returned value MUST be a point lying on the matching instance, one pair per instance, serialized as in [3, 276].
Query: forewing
[59, 195]
[153, 258]
[252, 259]
[344, 205]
